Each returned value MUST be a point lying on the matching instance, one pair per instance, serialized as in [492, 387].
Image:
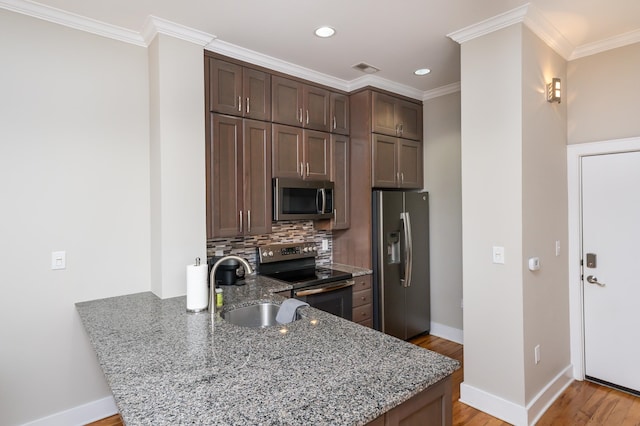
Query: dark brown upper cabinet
[397, 162]
[339, 113]
[340, 177]
[238, 177]
[298, 104]
[301, 153]
[238, 90]
[396, 117]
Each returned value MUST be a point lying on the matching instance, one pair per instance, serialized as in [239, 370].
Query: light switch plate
[58, 260]
[498, 254]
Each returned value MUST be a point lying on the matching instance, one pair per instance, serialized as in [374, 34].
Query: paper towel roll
[197, 291]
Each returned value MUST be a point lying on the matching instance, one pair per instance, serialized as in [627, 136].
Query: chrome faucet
[212, 278]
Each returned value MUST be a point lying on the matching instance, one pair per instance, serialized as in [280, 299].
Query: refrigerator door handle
[408, 248]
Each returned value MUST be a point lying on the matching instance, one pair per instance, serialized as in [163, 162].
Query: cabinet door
[257, 177]
[256, 89]
[409, 120]
[339, 113]
[225, 87]
[317, 159]
[287, 157]
[340, 178]
[385, 160]
[384, 114]
[316, 108]
[410, 164]
[286, 101]
[226, 179]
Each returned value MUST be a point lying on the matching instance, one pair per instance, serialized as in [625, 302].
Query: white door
[611, 286]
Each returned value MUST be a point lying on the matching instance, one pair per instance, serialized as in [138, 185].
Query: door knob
[594, 280]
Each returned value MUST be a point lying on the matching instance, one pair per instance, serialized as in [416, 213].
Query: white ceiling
[395, 36]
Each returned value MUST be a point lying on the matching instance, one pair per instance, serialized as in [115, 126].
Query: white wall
[604, 96]
[492, 213]
[442, 178]
[544, 218]
[178, 198]
[514, 194]
[74, 176]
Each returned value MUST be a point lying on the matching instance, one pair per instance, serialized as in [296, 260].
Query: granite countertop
[165, 366]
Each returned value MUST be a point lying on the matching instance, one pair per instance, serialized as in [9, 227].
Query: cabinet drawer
[362, 283]
[363, 313]
[362, 297]
[366, 323]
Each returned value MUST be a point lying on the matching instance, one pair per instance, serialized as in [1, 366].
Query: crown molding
[73, 20]
[260, 59]
[253, 57]
[527, 14]
[384, 84]
[154, 25]
[601, 46]
[490, 25]
[541, 27]
[441, 91]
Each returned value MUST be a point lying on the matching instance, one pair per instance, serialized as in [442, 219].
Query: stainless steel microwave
[296, 199]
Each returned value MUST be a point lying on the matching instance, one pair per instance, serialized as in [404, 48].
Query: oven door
[335, 298]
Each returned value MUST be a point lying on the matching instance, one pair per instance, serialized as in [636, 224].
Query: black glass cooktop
[309, 276]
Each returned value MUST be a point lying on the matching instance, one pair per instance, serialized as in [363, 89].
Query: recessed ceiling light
[422, 71]
[325, 32]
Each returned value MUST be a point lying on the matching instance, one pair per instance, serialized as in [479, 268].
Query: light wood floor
[582, 403]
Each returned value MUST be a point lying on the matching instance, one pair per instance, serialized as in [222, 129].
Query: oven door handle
[303, 293]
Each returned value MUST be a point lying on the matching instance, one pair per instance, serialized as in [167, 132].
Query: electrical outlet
[498, 254]
[536, 354]
[557, 247]
[325, 244]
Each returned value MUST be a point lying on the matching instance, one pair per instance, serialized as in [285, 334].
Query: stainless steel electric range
[295, 263]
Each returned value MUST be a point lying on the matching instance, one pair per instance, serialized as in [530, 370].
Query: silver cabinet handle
[248, 220]
[247, 105]
[401, 129]
[334, 122]
[307, 116]
[241, 221]
[594, 280]
[402, 177]
[239, 103]
[301, 169]
[302, 293]
[300, 115]
[307, 169]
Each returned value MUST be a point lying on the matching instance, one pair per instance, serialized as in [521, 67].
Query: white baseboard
[493, 405]
[513, 413]
[543, 400]
[80, 415]
[446, 332]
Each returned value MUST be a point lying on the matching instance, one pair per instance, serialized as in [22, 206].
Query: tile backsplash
[282, 232]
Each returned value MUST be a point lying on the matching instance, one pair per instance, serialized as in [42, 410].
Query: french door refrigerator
[401, 263]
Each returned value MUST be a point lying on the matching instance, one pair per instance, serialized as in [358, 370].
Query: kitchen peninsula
[165, 366]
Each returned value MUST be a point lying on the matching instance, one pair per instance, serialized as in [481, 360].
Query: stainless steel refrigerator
[401, 263]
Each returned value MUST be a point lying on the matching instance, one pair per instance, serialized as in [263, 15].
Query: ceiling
[395, 36]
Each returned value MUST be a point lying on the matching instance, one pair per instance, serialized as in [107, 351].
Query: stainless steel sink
[258, 315]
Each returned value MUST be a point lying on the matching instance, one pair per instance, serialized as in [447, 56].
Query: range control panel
[286, 251]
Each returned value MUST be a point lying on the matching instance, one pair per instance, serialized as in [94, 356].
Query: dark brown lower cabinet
[363, 301]
[431, 407]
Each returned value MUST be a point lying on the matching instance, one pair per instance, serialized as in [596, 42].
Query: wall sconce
[554, 90]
